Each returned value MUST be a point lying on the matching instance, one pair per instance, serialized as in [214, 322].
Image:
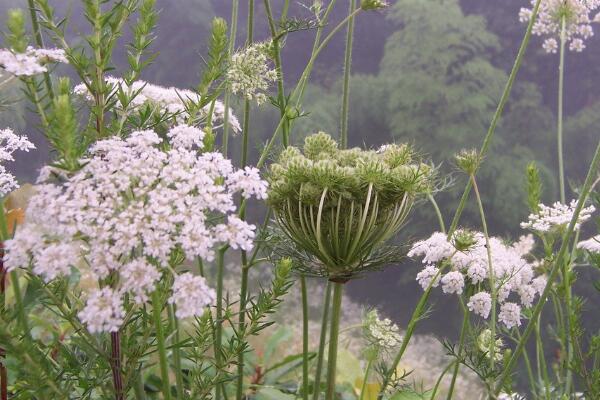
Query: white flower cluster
[249, 73]
[32, 62]
[9, 143]
[512, 273]
[171, 100]
[576, 14]
[381, 332]
[557, 217]
[592, 245]
[126, 213]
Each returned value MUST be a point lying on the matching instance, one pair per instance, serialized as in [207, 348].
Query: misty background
[428, 72]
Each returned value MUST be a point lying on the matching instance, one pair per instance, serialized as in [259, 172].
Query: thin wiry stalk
[532, 383]
[438, 213]
[322, 340]
[176, 352]
[461, 344]
[363, 388]
[561, 84]
[346, 86]
[487, 141]
[219, 317]
[540, 358]
[560, 258]
[39, 41]
[244, 256]
[227, 97]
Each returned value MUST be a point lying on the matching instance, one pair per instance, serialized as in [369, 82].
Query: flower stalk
[115, 341]
[160, 344]
[336, 312]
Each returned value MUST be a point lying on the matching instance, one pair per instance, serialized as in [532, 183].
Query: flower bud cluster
[249, 73]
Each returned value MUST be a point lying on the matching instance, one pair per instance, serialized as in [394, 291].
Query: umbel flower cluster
[556, 218]
[130, 216]
[382, 333]
[339, 207]
[577, 18]
[173, 101]
[467, 258]
[31, 62]
[249, 73]
[9, 143]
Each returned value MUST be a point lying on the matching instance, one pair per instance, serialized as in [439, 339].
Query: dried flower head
[339, 207]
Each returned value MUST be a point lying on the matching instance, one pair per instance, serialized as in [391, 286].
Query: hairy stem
[304, 338]
[333, 339]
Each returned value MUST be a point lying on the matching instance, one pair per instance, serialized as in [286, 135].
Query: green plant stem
[285, 138]
[39, 41]
[439, 379]
[499, 109]
[541, 358]
[138, 388]
[561, 84]
[560, 258]
[461, 344]
[160, 344]
[227, 97]
[176, 353]
[304, 338]
[333, 339]
[219, 316]
[322, 340]
[532, 383]
[363, 388]
[438, 213]
[491, 273]
[346, 84]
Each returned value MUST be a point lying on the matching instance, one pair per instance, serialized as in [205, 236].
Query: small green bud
[463, 240]
[284, 268]
[468, 161]
[319, 143]
[534, 187]
[368, 5]
[292, 113]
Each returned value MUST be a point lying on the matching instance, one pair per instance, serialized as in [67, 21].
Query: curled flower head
[340, 207]
[575, 15]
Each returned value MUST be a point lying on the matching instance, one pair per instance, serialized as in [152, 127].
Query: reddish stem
[115, 339]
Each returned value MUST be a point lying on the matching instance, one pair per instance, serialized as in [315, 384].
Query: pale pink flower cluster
[165, 99]
[131, 207]
[32, 62]
[513, 274]
[577, 18]
[9, 143]
[556, 217]
[592, 245]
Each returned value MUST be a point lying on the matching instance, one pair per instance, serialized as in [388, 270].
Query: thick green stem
[322, 340]
[333, 339]
[499, 109]
[304, 338]
[461, 344]
[346, 86]
[160, 344]
[560, 258]
[561, 83]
